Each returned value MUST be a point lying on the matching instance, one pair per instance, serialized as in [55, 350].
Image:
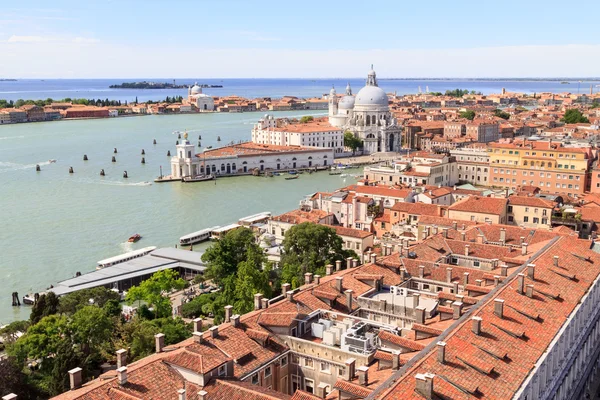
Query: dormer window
[223, 370]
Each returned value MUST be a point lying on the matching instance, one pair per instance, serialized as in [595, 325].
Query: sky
[308, 39]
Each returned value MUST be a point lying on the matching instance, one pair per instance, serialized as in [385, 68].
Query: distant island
[7, 80]
[562, 80]
[156, 85]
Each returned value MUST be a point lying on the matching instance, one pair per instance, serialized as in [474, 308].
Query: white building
[316, 133]
[417, 169]
[203, 102]
[367, 115]
[473, 163]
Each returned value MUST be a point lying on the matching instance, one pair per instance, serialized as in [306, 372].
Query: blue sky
[110, 38]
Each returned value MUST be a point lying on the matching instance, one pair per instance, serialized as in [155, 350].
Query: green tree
[224, 256]
[250, 279]
[91, 329]
[156, 289]
[352, 141]
[501, 114]
[200, 306]
[595, 104]
[99, 296]
[469, 114]
[46, 305]
[306, 118]
[308, 247]
[42, 339]
[11, 332]
[574, 116]
[67, 357]
[13, 380]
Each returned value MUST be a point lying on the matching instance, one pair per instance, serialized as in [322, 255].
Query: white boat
[197, 237]
[199, 178]
[219, 233]
[256, 218]
[125, 257]
[52, 160]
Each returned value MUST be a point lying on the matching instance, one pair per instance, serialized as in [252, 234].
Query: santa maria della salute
[367, 115]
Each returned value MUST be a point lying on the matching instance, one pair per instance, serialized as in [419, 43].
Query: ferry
[197, 237]
[134, 238]
[255, 219]
[218, 233]
[125, 257]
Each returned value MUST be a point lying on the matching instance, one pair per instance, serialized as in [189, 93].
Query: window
[283, 361]
[510, 208]
[295, 359]
[525, 219]
[510, 218]
[255, 379]
[472, 218]
[325, 368]
[223, 370]
[536, 220]
[476, 264]
[309, 385]
[308, 363]
[268, 371]
[341, 371]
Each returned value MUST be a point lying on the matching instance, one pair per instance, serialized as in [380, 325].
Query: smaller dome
[332, 92]
[347, 103]
[196, 89]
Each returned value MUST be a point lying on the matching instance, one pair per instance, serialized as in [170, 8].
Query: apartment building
[482, 131]
[548, 165]
[479, 209]
[472, 163]
[417, 169]
[530, 212]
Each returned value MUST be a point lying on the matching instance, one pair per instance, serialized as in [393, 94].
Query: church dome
[372, 96]
[346, 103]
[196, 89]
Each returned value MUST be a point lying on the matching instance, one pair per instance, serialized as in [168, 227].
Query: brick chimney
[338, 265]
[441, 352]
[328, 269]
[531, 271]
[235, 320]
[363, 375]
[476, 325]
[265, 303]
[339, 284]
[499, 307]
[466, 249]
[228, 312]
[424, 385]
[214, 331]
[258, 301]
[203, 395]
[349, 370]
[197, 337]
[349, 299]
[457, 309]
[75, 378]
[521, 283]
[181, 394]
[308, 278]
[284, 288]
[121, 358]
[448, 274]
[159, 342]
[122, 375]
[197, 324]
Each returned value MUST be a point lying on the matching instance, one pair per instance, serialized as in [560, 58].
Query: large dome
[371, 96]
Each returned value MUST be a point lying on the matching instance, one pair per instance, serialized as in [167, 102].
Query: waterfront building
[282, 132]
[34, 113]
[472, 163]
[549, 165]
[14, 115]
[202, 102]
[86, 112]
[367, 115]
[4, 117]
[420, 168]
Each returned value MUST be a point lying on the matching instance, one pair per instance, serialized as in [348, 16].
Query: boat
[197, 237]
[565, 83]
[276, 174]
[300, 172]
[219, 233]
[335, 172]
[52, 161]
[343, 175]
[292, 172]
[28, 300]
[288, 178]
[134, 238]
[198, 178]
[109, 262]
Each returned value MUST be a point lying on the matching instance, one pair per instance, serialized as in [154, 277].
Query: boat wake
[12, 137]
[116, 183]
[10, 167]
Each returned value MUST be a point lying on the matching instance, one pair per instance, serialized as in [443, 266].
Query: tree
[99, 296]
[501, 114]
[250, 279]
[595, 104]
[199, 306]
[42, 339]
[11, 332]
[224, 256]
[306, 119]
[46, 305]
[66, 358]
[352, 141]
[155, 291]
[136, 100]
[574, 116]
[469, 114]
[13, 380]
[308, 247]
[91, 328]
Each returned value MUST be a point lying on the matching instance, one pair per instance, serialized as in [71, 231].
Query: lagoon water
[54, 224]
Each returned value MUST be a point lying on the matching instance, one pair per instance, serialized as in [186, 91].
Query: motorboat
[52, 161]
[292, 172]
[198, 178]
[134, 238]
[289, 178]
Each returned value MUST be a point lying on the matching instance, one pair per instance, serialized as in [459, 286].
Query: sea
[54, 224]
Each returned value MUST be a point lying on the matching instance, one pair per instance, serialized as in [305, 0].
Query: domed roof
[196, 89]
[346, 103]
[371, 96]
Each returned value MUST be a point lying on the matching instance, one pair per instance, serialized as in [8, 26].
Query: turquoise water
[55, 223]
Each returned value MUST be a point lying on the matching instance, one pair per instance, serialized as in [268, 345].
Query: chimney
[258, 301]
[421, 271]
[529, 291]
[416, 297]
[349, 262]
[445, 233]
[284, 288]
[504, 270]
[197, 337]
[463, 236]
[425, 385]
[457, 309]
[349, 370]
[463, 227]
[290, 296]
[395, 360]
[228, 312]
[465, 278]
[181, 394]
[480, 238]
[499, 307]
[122, 375]
[435, 230]
[448, 274]
[420, 315]
[441, 352]
[349, 299]
[197, 324]
[455, 287]
[479, 282]
[355, 262]
[522, 240]
[403, 274]
[214, 331]
[524, 249]
[521, 283]
[556, 261]
[159, 342]
[265, 303]
[476, 325]
[373, 258]
[454, 225]
[235, 320]
[75, 378]
[317, 279]
[466, 249]
[496, 280]
[328, 269]
[502, 235]
[338, 265]
[339, 284]
[121, 358]
[308, 278]
[203, 395]
[363, 375]
[531, 271]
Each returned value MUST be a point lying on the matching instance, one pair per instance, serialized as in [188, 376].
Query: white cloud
[85, 40]
[28, 39]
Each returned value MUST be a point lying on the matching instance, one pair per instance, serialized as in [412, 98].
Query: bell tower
[333, 102]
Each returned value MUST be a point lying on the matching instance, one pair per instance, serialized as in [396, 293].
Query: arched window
[524, 162]
[310, 157]
[244, 163]
[294, 159]
[262, 161]
[325, 156]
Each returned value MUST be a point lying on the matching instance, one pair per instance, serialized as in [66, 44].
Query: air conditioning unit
[338, 334]
[317, 330]
[327, 323]
[329, 338]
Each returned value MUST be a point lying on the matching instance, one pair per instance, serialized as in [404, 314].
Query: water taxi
[289, 178]
[198, 178]
[219, 233]
[134, 238]
[197, 237]
[125, 257]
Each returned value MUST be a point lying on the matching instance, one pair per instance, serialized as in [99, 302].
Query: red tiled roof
[481, 205]
[400, 341]
[352, 388]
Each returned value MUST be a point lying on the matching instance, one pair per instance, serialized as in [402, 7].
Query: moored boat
[197, 178]
[109, 262]
[289, 178]
[197, 237]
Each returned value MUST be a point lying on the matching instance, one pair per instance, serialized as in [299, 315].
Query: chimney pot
[457, 309]
[349, 262]
[228, 312]
[424, 385]
[556, 261]
[328, 269]
[454, 225]
[203, 395]
[338, 265]
[214, 331]
[159, 342]
[339, 284]
[349, 370]
[523, 249]
[499, 307]
[445, 233]
[308, 278]
[181, 394]
[235, 320]
[258, 301]
[421, 271]
[395, 360]
[476, 325]
[75, 378]
[197, 337]
[363, 375]
[531, 271]
[529, 291]
[402, 274]
[521, 283]
[122, 375]
[265, 303]
[441, 347]
[502, 235]
[284, 288]
[349, 299]
[466, 249]
[479, 282]
[355, 261]
[121, 358]
[465, 278]
[496, 280]
[290, 296]
[197, 324]
[420, 315]
[504, 270]
[463, 236]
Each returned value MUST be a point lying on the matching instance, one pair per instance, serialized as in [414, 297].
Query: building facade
[472, 163]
